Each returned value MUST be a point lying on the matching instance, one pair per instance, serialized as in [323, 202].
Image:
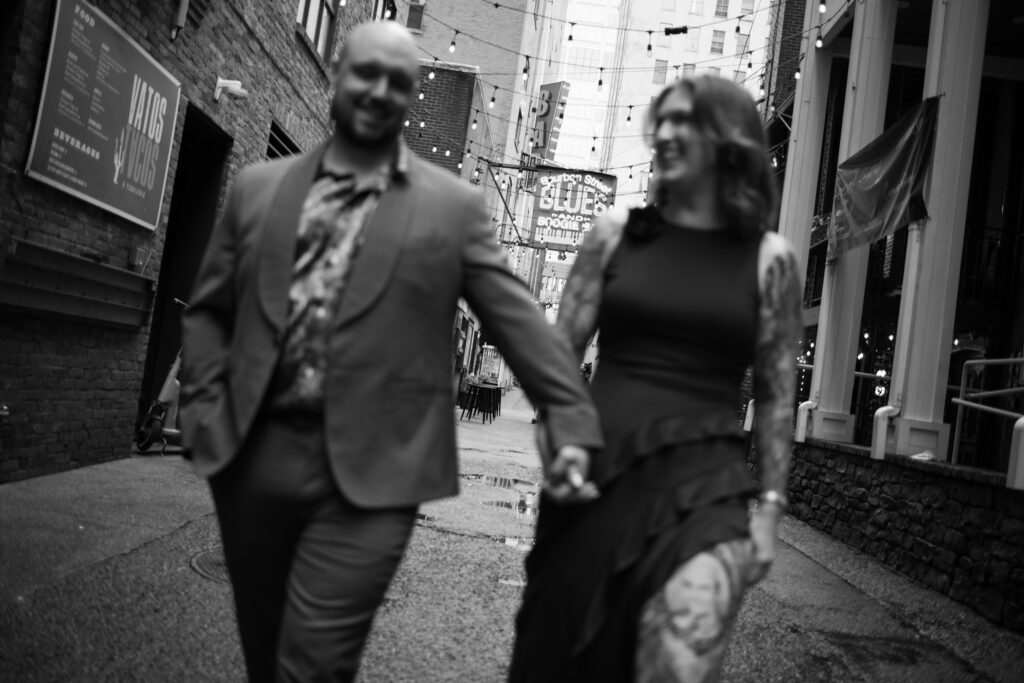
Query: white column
[924, 339]
[842, 299]
[803, 159]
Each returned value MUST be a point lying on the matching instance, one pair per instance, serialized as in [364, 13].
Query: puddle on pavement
[518, 542]
[521, 485]
[524, 507]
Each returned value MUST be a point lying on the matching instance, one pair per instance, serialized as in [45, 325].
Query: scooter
[161, 421]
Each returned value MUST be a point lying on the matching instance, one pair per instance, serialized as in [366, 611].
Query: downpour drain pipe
[880, 430]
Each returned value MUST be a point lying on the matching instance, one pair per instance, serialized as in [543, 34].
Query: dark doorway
[198, 181]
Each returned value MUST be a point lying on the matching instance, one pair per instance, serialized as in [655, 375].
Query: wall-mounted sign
[567, 202]
[105, 124]
[548, 121]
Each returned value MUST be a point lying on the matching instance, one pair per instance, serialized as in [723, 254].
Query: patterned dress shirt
[331, 229]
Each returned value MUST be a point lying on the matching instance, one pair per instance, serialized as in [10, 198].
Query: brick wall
[956, 530]
[489, 38]
[445, 111]
[785, 44]
[73, 388]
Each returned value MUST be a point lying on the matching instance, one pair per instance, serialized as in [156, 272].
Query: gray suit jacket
[389, 419]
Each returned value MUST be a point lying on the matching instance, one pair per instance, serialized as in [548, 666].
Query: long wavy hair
[726, 115]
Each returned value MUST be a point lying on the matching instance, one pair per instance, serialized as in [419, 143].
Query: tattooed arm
[778, 329]
[581, 298]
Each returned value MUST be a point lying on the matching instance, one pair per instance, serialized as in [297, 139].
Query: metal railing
[962, 401]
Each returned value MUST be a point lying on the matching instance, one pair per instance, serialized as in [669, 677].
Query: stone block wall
[956, 530]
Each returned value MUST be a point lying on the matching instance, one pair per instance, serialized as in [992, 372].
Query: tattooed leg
[685, 627]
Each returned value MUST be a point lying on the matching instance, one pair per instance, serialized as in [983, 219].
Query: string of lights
[488, 150]
[497, 88]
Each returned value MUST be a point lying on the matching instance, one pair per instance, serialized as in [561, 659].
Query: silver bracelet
[773, 496]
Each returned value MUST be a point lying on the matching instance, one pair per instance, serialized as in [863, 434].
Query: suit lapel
[280, 229]
[382, 245]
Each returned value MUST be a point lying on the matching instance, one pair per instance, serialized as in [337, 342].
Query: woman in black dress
[644, 582]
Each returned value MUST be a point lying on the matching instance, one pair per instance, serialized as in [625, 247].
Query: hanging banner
[567, 202]
[106, 120]
[549, 121]
[880, 189]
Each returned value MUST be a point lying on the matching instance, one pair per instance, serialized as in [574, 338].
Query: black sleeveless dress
[677, 329]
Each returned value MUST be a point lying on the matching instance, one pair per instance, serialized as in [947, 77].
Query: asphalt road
[112, 573]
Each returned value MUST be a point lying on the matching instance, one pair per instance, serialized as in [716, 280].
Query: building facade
[912, 365]
[88, 321]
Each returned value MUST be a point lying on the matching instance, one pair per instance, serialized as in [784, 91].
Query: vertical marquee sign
[106, 120]
[549, 121]
[567, 202]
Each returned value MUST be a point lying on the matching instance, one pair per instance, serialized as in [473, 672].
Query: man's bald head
[384, 33]
[375, 76]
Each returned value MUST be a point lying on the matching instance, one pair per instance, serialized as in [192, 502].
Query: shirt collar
[398, 170]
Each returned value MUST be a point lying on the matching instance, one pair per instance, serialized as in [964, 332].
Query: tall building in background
[668, 39]
[480, 113]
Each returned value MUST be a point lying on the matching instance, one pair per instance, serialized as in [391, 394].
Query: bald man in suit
[316, 385]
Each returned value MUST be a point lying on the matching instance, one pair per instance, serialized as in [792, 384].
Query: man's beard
[346, 128]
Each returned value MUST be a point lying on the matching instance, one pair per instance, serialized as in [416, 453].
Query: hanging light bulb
[600, 78]
[630, 172]
[421, 95]
[821, 7]
[447, 152]
[407, 123]
[491, 104]
[526, 69]
[431, 74]
[572, 25]
[474, 120]
[649, 48]
[593, 147]
[451, 48]
[423, 124]
[434, 148]
[341, 4]
[796, 74]
[738, 25]
[818, 42]
[629, 115]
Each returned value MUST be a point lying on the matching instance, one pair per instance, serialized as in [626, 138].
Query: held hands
[566, 478]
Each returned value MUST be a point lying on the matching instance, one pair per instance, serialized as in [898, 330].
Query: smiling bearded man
[316, 382]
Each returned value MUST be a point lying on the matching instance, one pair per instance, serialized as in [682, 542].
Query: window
[693, 40]
[317, 18]
[415, 20]
[721, 8]
[697, 8]
[717, 42]
[280, 144]
[747, 7]
[660, 71]
[739, 76]
[742, 40]
[714, 71]
[689, 70]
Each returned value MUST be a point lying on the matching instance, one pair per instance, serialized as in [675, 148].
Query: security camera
[233, 88]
